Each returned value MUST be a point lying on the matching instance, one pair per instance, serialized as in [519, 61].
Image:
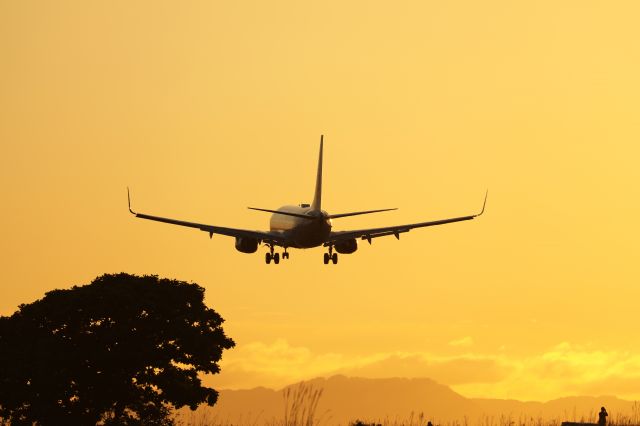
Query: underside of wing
[368, 234]
[396, 230]
[272, 237]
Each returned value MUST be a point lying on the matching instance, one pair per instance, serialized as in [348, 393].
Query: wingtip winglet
[129, 200]
[484, 204]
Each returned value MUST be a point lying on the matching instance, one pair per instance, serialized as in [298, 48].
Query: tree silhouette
[122, 350]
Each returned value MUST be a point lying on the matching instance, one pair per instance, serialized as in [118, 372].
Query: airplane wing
[368, 234]
[274, 237]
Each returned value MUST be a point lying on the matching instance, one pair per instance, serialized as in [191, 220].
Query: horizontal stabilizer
[335, 216]
[303, 216]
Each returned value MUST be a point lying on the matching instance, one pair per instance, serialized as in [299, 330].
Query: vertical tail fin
[317, 197]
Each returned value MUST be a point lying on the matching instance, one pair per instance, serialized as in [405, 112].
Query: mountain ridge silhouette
[346, 399]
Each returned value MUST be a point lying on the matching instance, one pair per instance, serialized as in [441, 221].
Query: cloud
[586, 370]
[273, 365]
[564, 369]
[279, 364]
[622, 384]
[462, 342]
[446, 370]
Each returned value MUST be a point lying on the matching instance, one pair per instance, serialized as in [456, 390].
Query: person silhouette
[602, 417]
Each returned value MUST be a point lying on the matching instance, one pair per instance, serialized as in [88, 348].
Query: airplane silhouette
[305, 226]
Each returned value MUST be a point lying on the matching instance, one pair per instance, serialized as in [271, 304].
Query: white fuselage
[305, 233]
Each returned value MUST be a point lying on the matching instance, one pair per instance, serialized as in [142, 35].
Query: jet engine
[246, 245]
[346, 246]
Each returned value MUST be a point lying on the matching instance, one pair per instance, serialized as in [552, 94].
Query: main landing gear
[331, 256]
[270, 255]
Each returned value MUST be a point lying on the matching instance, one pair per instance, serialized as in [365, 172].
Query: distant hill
[574, 408]
[345, 399]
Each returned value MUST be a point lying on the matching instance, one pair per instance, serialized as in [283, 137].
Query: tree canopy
[122, 350]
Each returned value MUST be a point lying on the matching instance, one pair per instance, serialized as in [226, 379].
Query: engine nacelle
[246, 245]
[347, 246]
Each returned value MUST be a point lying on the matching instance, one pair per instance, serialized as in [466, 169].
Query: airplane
[305, 226]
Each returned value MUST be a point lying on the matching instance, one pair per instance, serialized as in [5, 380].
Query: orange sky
[208, 107]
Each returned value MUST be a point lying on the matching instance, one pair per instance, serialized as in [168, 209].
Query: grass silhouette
[301, 412]
[300, 405]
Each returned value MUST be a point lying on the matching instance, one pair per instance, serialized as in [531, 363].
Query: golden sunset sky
[204, 108]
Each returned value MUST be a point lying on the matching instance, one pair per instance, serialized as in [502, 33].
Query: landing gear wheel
[326, 258]
[334, 258]
[267, 258]
[276, 258]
